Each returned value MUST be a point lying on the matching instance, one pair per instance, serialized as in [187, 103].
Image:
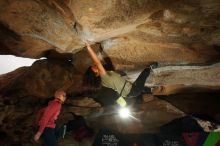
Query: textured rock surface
[185, 28]
[124, 50]
[40, 26]
[201, 77]
[7, 79]
[16, 120]
[101, 20]
[183, 36]
[17, 117]
[180, 79]
[42, 79]
[204, 105]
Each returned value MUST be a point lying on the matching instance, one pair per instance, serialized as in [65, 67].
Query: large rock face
[40, 26]
[173, 31]
[180, 79]
[182, 36]
[42, 79]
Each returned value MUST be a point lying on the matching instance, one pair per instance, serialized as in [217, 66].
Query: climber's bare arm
[96, 60]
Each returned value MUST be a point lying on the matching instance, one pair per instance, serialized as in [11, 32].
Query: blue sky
[9, 63]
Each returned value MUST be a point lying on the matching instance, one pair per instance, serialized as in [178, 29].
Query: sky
[9, 63]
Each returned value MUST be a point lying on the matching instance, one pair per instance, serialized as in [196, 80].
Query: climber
[96, 75]
[46, 120]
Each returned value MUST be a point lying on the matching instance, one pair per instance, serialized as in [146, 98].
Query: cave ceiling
[183, 36]
[131, 33]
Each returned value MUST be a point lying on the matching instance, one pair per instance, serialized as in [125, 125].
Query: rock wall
[166, 31]
[182, 36]
[42, 79]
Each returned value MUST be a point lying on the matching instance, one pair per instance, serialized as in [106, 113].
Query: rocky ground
[128, 35]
